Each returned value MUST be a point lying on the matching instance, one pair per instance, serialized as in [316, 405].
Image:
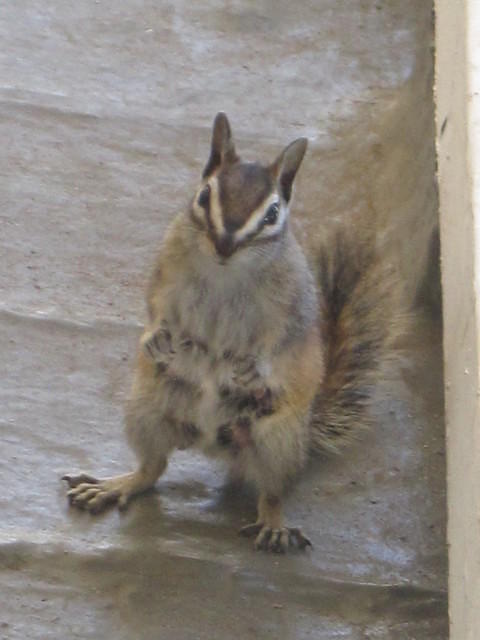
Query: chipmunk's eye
[204, 197]
[272, 214]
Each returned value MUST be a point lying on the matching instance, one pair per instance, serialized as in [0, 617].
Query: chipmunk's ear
[222, 149]
[285, 167]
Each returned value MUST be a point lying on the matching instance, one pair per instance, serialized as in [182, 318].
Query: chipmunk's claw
[275, 540]
[299, 538]
[245, 372]
[74, 481]
[157, 345]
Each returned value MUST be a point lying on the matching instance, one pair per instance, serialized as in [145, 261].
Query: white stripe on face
[255, 220]
[215, 210]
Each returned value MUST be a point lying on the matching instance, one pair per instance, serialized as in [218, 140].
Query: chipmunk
[249, 353]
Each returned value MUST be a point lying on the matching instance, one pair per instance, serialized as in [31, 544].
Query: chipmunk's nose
[225, 246]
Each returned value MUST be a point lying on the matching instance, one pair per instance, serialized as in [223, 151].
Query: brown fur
[362, 319]
[244, 355]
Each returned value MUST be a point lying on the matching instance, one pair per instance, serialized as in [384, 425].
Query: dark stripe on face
[203, 201]
[255, 239]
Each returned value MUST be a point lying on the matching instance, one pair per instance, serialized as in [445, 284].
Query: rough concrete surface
[105, 115]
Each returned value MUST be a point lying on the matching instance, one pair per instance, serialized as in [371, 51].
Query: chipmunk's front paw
[157, 345]
[275, 540]
[246, 374]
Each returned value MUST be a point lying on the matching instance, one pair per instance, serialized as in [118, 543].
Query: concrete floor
[105, 121]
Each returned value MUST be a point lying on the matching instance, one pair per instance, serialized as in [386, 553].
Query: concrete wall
[458, 131]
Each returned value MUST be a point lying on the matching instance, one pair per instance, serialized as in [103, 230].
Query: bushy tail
[361, 321]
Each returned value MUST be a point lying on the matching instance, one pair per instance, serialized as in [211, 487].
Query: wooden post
[458, 147]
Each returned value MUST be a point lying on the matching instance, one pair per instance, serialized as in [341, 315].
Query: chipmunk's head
[241, 205]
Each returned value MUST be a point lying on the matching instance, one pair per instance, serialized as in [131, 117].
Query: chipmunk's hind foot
[275, 540]
[93, 495]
